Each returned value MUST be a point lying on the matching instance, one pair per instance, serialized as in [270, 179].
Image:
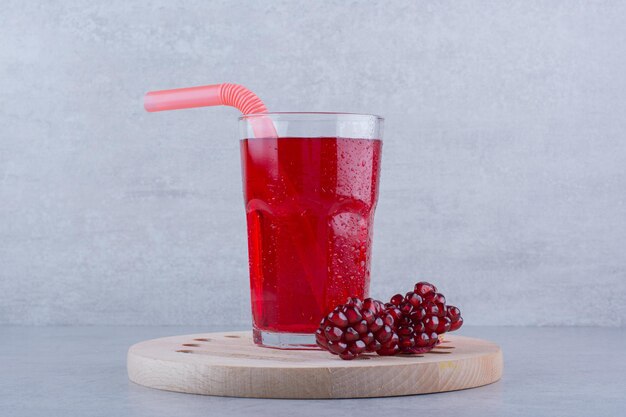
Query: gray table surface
[81, 371]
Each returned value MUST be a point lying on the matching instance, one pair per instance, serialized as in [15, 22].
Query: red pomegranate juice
[310, 209]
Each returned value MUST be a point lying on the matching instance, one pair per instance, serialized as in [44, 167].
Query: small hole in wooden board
[202, 339]
[185, 351]
[233, 336]
[191, 344]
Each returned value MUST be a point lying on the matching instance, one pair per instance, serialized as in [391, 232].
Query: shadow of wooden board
[229, 364]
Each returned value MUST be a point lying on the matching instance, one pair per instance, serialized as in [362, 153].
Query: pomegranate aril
[424, 288]
[412, 298]
[431, 309]
[394, 312]
[351, 335]
[360, 327]
[377, 325]
[422, 340]
[406, 342]
[426, 342]
[390, 347]
[417, 314]
[374, 346]
[385, 334]
[368, 304]
[368, 338]
[338, 319]
[405, 331]
[355, 302]
[368, 316]
[439, 299]
[337, 347]
[358, 347]
[333, 333]
[406, 307]
[419, 327]
[372, 305]
[429, 297]
[353, 315]
[431, 323]
[397, 299]
[444, 325]
[453, 313]
[346, 356]
[455, 325]
[320, 338]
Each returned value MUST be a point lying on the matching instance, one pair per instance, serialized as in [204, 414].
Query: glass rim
[311, 113]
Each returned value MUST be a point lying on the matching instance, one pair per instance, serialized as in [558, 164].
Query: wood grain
[229, 364]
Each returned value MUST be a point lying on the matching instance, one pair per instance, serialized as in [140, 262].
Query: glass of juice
[310, 194]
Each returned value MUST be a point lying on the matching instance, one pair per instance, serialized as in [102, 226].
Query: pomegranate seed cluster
[357, 327]
[410, 323]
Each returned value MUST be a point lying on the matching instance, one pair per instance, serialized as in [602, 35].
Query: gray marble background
[504, 168]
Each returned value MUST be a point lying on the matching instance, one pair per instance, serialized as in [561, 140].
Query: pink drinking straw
[226, 94]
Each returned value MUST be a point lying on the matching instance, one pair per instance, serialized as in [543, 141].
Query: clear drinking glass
[310, 196]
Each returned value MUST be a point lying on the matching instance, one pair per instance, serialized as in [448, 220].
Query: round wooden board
[229, 364]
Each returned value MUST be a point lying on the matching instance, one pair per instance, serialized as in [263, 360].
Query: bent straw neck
[226, 94]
